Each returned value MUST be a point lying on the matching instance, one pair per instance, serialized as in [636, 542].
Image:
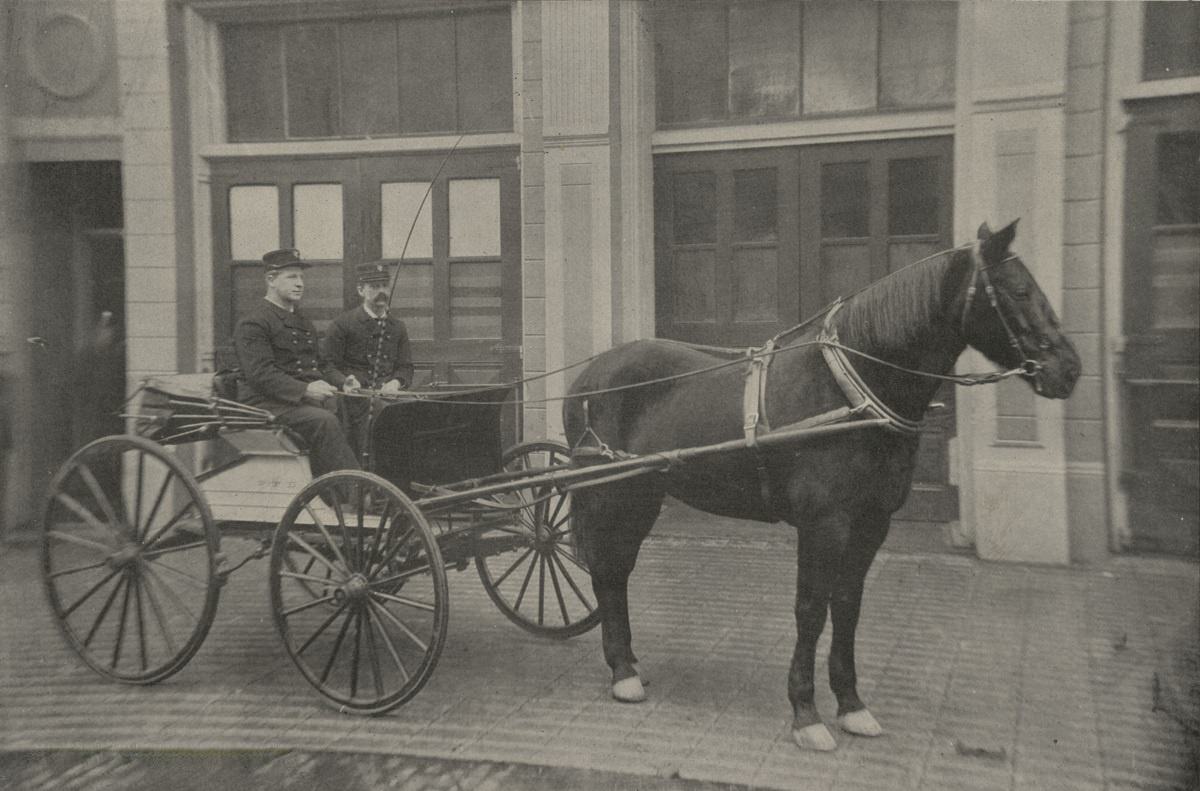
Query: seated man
[282, 370]
[370, 346]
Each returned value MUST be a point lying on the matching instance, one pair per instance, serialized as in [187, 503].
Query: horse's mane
[898, 311]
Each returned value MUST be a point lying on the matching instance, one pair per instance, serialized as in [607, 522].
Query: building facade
[555, 178]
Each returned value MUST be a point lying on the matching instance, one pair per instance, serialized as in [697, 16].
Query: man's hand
[391, 388]
[351, 384]
[318, 391]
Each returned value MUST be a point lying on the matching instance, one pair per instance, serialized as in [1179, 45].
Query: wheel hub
[124, 556]
[355, 589]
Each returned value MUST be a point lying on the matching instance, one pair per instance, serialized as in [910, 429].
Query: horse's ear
[1003, 237]
[984, 232]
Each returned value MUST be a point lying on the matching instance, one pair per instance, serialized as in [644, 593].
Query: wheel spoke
[362, 505]
[337, 647]
[315, 555]
[150, 541]
[328, 540]
[570, 581]
[541, 588]
[372, 649]
[554, 514]
[171, 594]
[137, 500]
[524, 586]
[199, 583]
[400, 625]
[306, 606]
[390, 555]
[156, 608]
[155, 553]
[296, 575]
[144, 528]
[387, 640]
[341, 518]
[104, 611]
[383, 518]
[403, 575]
[116, 657]
[87, 516]
[102, 500]
[357, 653]
[571, 558]
[504, 576]
[141, 622]
[77, 569]
[562, 605]
[415, 603]
[320, 629]
[67, 612]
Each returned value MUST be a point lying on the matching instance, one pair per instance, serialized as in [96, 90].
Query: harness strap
[754, 415]
[860, 396]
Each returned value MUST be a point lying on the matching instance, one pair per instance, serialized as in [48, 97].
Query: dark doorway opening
[78, 311]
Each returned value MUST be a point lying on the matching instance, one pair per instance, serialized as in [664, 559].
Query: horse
[898, 339]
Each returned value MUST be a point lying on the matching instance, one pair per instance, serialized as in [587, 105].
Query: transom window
[745, 60]
[381, 78]
[1171, 41]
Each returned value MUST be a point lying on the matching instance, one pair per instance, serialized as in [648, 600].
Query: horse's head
[1008, 318]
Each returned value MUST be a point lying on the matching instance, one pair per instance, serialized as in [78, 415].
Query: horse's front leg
[819, 551]
[853, 716]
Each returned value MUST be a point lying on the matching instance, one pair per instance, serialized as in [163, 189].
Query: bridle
[1028, 367]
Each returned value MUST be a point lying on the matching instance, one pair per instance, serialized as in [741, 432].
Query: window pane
[1178, 178]
[845, 195]
[413, 299]
[427, 95]
[916, 54]
[474, 217]
[694, 203]
[840, 56]
[253, 83]
[693, 286]
[755, 279]
[1171, 40]
[755, 206]
[317, 220]
[253, 222]
[764, 59]
[845, 268]
[370, 98]
[484, 73]
[475, 300]
[398, 204]
[312, 80]
[913, 196]
[690, 57]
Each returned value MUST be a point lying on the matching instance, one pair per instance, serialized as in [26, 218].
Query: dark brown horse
[839, 492]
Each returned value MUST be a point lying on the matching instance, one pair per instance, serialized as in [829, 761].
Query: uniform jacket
[278, 353]
[374, 350]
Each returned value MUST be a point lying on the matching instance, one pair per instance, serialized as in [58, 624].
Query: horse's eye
[1021, 294]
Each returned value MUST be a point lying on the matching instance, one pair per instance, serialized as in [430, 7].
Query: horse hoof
[814, 737]
[629, 690]
[860, 723]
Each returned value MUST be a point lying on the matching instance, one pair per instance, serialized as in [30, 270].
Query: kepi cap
[374, 272]
[281, 259]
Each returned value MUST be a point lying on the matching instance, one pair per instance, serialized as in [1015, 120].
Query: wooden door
[868, 209]
[459, 282]
[726, 246]
[1161, 469]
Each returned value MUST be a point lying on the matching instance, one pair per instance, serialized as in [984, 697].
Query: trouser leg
[322, 431]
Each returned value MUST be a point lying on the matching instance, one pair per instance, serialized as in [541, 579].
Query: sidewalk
[985, 676]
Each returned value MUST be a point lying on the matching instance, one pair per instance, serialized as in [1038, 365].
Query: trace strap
[754, 410]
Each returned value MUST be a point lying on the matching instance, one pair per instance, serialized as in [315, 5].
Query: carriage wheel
[358, 591]
[130, 559]
[539, 579]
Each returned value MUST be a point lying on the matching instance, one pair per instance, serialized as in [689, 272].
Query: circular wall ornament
[65, 56]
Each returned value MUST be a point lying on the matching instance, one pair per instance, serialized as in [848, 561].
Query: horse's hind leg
[613, 522]
[844, 608]
[820, 548]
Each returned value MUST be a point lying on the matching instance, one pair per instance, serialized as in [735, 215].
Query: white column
[1009, 163]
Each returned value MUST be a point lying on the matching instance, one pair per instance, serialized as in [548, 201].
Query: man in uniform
[282, 370]
[370, 346]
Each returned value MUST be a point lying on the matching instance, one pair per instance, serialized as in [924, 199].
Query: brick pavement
[985, 676]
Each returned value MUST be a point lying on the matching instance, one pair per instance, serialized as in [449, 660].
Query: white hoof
[814, 737]
[629, 690]
[860, 723]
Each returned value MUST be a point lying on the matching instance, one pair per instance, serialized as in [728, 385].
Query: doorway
[78, 315]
